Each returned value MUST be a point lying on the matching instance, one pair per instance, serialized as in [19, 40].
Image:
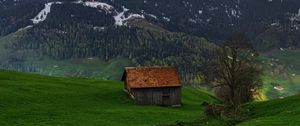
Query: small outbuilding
[153, 85]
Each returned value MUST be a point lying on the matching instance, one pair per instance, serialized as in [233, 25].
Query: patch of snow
[187, 4]
[153, 16]
[61, 32]
[275, 24]
[95, 4]
[167, 19]
[295, 20]
[192, 20]
[120, 18]
[281, 49]
[42, 15]
[233, 11]
[29, 26]
[208, 20]
[200, 12]
[98, 28]
[212, 8]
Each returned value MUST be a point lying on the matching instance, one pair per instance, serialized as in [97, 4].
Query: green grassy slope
[28, 99]
[288, 76]
[86, 68]
[280, 112]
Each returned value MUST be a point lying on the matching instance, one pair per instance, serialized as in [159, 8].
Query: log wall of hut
[165, 96]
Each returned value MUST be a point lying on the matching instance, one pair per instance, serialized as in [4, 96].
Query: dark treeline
[142, 47]
[14, 16]
[74, 31]
[269, 26]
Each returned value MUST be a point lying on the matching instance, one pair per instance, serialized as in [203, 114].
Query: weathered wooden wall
[166, 96]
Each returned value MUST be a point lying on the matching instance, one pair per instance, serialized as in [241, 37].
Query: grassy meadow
[30, 100]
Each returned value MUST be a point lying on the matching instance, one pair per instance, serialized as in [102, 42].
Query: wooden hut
[153, 85]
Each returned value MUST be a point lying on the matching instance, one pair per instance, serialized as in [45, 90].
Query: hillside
[212, 19]
[282, 73]
[178, 33]
[280, 112]
[29, 61]
[28, 50]
[28, 99]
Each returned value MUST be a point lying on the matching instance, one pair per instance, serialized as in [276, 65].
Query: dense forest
[213, 20]
[184, 38]
[142, 47]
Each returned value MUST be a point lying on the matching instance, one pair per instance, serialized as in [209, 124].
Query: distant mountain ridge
[180, 33]
[211, 19]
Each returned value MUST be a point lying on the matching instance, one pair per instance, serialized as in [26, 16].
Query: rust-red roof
[149, 77]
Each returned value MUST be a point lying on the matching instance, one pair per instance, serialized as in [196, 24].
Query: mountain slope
[280, 112]
[179, 33]
[284, 112]
[28, 60]
[28, 99]
[145, 45]
[211, 19]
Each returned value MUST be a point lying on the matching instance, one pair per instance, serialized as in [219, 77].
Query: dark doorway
[166, 98]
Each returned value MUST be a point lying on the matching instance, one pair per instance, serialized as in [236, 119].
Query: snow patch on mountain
[152, 15]
[121, 19]
[27, 27]
[295, 20]
[42, 15]
[95, 4]
[167, 19]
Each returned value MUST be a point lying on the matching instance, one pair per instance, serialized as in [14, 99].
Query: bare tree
[238, 71]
